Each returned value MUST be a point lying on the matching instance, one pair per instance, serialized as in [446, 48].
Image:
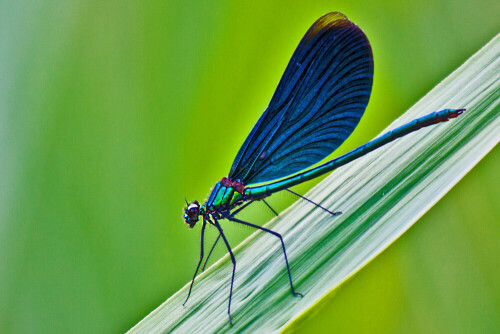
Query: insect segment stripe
[228, 195]
[214, 192]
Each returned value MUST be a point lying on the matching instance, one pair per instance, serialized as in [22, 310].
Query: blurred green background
[112, 111]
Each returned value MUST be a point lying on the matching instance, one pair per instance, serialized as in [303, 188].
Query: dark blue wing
[318, 103]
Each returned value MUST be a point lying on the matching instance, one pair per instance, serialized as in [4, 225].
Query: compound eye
[193, 211]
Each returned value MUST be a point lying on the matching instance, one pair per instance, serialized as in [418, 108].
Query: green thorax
[222, 197]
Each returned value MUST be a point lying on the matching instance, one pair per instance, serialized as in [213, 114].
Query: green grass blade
[381, 196]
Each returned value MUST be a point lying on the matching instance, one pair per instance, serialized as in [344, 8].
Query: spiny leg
[199, 262]
[263, 200]
[282, 246]
[319, 206]
[218, 237]
[206, 260]
[235, 212]
[234, 267]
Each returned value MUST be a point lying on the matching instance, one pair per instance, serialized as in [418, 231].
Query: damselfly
[316, 106]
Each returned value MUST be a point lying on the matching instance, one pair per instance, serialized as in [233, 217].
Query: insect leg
[282, 246]
[319, 206]
[235, 212]
[199, 262]
[263, 200]
[206, 260]
[234, 267]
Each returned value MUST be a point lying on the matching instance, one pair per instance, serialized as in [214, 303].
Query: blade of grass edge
[381, 196]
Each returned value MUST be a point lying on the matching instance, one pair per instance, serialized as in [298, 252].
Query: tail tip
[457, 112]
